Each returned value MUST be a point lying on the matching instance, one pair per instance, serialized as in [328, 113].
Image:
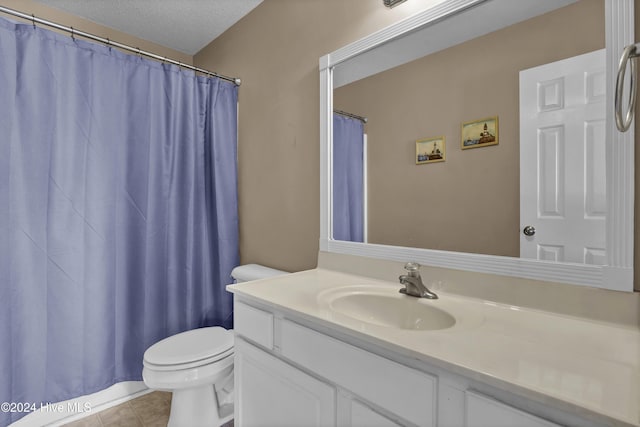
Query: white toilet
[197, 367]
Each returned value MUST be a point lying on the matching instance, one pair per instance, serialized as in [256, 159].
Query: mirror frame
[617, 274]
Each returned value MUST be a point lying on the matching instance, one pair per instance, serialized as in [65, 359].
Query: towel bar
[629, 53]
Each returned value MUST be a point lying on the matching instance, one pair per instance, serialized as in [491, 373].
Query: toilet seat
[194, 348]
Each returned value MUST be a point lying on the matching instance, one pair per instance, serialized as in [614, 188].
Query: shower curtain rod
[353, 116]
[108, 42]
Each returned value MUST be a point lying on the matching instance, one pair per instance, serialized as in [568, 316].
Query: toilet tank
[245, 273]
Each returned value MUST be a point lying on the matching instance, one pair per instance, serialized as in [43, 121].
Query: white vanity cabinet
[270, 392]
[289, 374]
[403, 393]
[290, 371]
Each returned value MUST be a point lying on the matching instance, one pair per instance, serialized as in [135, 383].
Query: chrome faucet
[413, 282]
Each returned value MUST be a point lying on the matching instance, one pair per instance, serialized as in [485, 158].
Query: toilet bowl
[189, 365]
[197, 367]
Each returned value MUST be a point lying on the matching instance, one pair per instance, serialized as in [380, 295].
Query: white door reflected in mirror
[562, 160]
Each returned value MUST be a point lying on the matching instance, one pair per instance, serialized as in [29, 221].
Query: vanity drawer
[482, 411]
[404, 391]
[254, 324]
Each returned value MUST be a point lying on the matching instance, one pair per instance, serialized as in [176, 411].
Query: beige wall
[470, 202]
[275, 50]
[32, 8]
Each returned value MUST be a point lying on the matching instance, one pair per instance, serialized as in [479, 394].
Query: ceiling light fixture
[392, 3]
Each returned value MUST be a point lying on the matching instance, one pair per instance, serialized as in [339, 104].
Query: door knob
[529, 230]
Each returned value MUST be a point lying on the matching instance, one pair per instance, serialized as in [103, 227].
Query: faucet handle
[412, 267]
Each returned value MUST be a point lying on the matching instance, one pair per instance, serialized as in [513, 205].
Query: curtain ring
[33, 20]
[139, 54]
[109, 44]
[72, 34]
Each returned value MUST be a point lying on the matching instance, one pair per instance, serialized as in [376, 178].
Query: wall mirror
[459, 62]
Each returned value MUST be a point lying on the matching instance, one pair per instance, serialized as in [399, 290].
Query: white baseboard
[60, 413]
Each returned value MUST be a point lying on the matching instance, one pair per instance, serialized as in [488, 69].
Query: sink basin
[387, 307]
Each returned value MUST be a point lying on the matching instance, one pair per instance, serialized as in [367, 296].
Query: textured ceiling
[184, 25]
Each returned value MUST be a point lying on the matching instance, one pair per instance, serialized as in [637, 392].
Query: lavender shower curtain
[118, 211]
[348, 180]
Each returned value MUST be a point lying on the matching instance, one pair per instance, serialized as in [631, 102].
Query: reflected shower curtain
[348, 180]
[118, 211]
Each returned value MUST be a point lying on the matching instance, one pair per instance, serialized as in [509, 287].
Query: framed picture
[430, 150]
[480, 133]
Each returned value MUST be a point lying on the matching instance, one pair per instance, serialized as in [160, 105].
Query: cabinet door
[484, 412]
[352, 413]
[270, 392]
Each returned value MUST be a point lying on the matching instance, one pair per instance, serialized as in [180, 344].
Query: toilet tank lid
[244, 273]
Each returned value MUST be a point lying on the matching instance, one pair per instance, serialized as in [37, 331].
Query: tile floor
[149, 410]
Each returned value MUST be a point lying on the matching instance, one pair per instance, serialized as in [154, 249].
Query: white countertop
[571, 363]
